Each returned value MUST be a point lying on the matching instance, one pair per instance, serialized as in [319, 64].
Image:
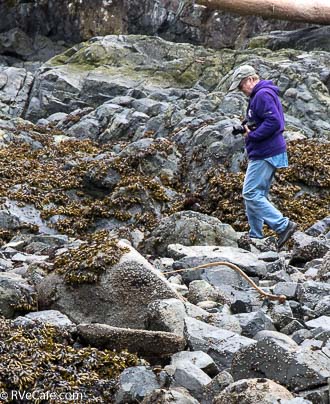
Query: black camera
[239, 129]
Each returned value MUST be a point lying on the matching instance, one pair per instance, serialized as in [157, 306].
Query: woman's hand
[247, 131]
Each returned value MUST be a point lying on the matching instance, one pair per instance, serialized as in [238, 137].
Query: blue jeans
[259, 210]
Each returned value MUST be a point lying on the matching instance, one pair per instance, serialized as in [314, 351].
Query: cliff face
[79, 20]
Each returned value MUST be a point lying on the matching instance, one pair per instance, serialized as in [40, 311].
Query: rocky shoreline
[119, 168]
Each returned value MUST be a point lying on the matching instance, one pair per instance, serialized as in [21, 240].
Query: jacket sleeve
[268, 113]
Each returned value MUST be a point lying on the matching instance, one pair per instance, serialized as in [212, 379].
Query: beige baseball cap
[239, 74]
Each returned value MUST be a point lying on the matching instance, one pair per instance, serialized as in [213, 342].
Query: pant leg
[259, 210]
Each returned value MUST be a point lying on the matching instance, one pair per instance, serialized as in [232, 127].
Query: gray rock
[189, 228]
[178, 395]
[254, 322]
[253, 390]
[325, 267]
[281, 314]
[191, 377]
[292, 327]
[166, 315]
[28, 258]
[245, 301]
[194, 311]
[322, 322]
[289, 289]
[134, 384]
[322, 308]
[297, 400]
[318, 395]
[276, 266]
[221, 277]
[320, 227]
[225, 321]
[14, 92]
[120, 298]
[5, 265]
[280, 276]
[268, 256]
[248, 262]
[307, 248]
[16, 295]
[198, 358]
[296, 368]
[218, 383]
[282, 339]
[311, 292]
[201, 290]
[149, 106]
[9, 221]
[220, 344]
[57, 117]
[50, 317]
[149, 344]
[157, 157]
[301, 335]
[211, 306]
[27, 213]
[312, 344]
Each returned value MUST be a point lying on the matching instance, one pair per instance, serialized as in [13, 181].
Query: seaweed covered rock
[57, 366]
[120, 292]
[17, 296]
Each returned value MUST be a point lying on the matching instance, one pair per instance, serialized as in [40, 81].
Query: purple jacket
[265, 110]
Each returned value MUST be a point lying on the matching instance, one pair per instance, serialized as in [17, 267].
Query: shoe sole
[289, 234]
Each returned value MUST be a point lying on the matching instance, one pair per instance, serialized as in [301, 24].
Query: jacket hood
[263, 84]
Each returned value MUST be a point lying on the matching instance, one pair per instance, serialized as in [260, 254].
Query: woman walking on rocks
[266, 150]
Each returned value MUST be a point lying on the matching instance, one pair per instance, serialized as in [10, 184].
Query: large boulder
[296, 368]
[189, 228]
[120, 298]
[196, 255]
[121, 65]
[220, 344]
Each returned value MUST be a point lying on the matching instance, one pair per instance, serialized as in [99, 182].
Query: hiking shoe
[286, 234]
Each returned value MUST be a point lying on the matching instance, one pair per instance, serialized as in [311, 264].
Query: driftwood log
[309, 11]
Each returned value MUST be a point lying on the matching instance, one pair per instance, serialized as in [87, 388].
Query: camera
[239, 129]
